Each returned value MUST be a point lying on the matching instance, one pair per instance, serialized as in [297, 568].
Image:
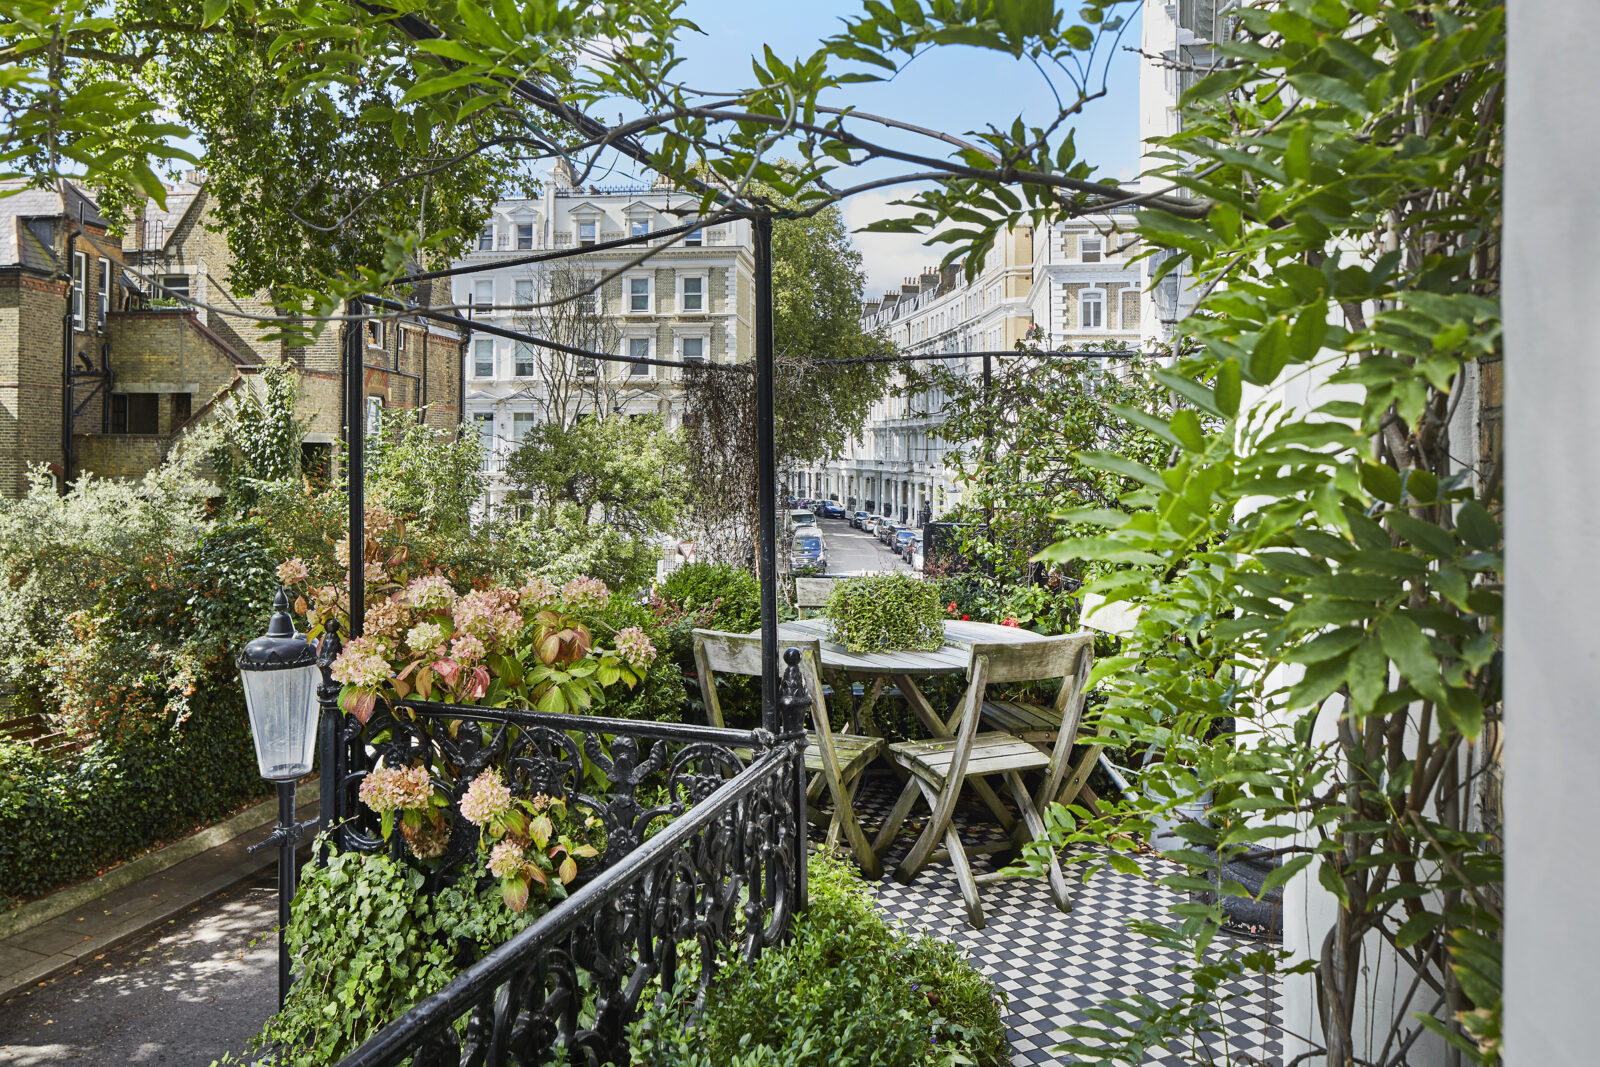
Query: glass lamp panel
[283, 719]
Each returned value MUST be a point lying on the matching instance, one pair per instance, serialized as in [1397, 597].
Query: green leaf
[1229, 387]
[1186, 428]
[1477, 527]
[1281, 875]
[1382, 481]
[1128, 468]
[1407, 645]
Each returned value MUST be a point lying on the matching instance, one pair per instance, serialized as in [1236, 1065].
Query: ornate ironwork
[564, 989]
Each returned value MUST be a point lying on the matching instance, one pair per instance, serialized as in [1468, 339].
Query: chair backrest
[715, 650]
[811, 594]
[1069, 657]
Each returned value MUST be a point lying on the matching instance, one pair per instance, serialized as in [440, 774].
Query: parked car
[913, 553]
[886, 531]
[902, 538]
[801, 517]
[831, 509]
[808, 554]
[859, 520]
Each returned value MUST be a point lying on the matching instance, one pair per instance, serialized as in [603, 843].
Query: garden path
[1054, 966]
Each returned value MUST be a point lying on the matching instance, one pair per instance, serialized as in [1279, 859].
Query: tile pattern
[1054, 966]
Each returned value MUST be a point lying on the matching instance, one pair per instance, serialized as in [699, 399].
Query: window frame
[486, 237]
[639, 370]
[1098, 296]
[594, 232]
[528, 419]
[680, 345]
[518, 350]
[80, 293]
[638, 227]
[1099, 248]
[484, 420]
[476, 348]
[649, 294]
[684, 277]
[478, 304]
[103, 303]
[519, 227]
[695, 238]
[373, 415]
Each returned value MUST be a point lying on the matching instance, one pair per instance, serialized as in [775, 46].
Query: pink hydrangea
[294, 571]
[430, 593]
[538, 593]
[425, 636]
[585, 592]
[494, 616]
[634, 646]
[467, 649]
[397, 788]
[362, 664]
[507, 860]
[486, 799]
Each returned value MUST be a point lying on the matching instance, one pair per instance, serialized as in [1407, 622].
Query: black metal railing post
[355, 421]
[767, 474]
[330, 747]
[794, 702]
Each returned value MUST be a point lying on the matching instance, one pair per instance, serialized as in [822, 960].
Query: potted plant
[884, 612]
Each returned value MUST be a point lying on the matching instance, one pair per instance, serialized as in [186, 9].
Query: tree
[259, 435]
[421, 473]
[567, 309]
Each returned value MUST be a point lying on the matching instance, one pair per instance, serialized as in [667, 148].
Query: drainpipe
[66, 362]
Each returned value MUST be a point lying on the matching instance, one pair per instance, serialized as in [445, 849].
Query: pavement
[199, 984]
[852, 552]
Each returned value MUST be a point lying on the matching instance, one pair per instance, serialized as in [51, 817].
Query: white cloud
[888, 258]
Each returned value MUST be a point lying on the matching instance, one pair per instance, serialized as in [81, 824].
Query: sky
[953, 89]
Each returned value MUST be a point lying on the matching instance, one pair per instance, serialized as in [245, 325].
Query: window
[638, 227]
[694, 349]
[483, 293]
[174, 287]
[586, 232]
[587, 304]
[521, 423]
[401, 335]
[1090, 249]
[80, 265]
[486, 238]
[374, 333]
[483, 359]
[105, 290]
[639, 294]
[522, 290]
[694, 294]
[524, 235]
[639, 348]
[587, 367]
[374, 415]
[1091, 310]
[182, 408]
[524, 360]
[694, 238]
[134, 413]
[485, 421]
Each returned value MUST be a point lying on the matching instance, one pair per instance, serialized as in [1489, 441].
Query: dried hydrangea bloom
[425, 637]
[635, 646]
[486, 799]
[429, 840]
[375, 573]
[494, 616]
[294, 571]
[376, 520]
[387, 618]
[362, 664]
[585, 592]
[396, 788]
[507, 860]
[467, 649]
[341, 552]
[538, 593]
[430, 593]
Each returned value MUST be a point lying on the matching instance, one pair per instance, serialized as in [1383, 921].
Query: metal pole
[767, 476]
[355, 421]
[988, 446]
[286, 882]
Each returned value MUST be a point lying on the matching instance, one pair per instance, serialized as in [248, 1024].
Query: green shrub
[849, 989]
[879, 612]
[62, 821]
[730, 594]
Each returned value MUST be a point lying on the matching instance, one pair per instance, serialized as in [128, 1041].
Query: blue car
[807, 553]
[831, 509]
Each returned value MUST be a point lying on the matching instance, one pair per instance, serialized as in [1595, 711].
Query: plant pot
[1164, 835]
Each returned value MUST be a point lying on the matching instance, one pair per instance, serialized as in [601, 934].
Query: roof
[162, 222]
[26, 236]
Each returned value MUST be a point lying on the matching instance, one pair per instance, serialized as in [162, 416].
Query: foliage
[622, 472]
[369, 942]
[424, 475]
[849, 989]
[729, 596]
[62, 820]
[1330, 577]
[260, 431]
[1016, 446]
[879, 612]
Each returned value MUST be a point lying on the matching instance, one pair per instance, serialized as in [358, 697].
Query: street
[852, 552]
[178, 997]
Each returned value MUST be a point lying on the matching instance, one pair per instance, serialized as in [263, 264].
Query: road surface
[852, 552]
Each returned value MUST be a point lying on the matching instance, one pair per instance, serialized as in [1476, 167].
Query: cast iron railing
[728, 871]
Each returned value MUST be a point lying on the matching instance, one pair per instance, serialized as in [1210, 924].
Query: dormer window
[486, 238]
[586, 232]
[694, 238]
[638, 227]
[524, 235]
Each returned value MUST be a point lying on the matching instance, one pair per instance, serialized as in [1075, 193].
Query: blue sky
[954, 89]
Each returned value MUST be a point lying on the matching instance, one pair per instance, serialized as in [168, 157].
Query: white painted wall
[1552, 280]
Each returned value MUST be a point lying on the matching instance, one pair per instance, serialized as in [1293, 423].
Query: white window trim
[489, 230]
[533, 351]
[533, 234]
[638, 370]
[103, 283]
[578, 222]
[483, 281]
[650, 294]
[705, 291]
[472, 358]
[530, 419]
[1101, 293]
[678, 338]
[374, 407]
[80, 290]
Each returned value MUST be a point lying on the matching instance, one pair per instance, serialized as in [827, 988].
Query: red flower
[966, 618]
[952, 608]
[1009, 621]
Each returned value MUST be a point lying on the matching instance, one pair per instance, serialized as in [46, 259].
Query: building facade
[690, 298]
[1069, 285]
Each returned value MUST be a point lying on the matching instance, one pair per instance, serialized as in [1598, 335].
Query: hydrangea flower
[425, 636]
[362, 664]
[635, 647]
[507, 860]
[586, 592]
[430, 593]
[494, 616]
[387, 618]
[467, 649]
[486, 799]
[538, 593]
[294, 571]
[396, 788]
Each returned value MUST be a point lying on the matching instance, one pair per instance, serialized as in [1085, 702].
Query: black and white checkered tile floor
[1054, 966]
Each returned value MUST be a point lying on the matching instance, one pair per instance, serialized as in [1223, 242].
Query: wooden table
[902, 666]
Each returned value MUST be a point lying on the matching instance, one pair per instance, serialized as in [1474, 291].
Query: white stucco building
[1073, 282]
[692, 299]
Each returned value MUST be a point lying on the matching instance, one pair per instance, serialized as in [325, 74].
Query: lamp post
[279, 673]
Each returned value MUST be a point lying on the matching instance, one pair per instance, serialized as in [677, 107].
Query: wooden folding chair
[940, 768]
[835, 761]
[811, 595]
[1043, 726]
